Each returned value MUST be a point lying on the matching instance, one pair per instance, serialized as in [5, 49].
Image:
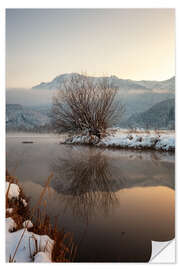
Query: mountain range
[122, 84]
[147, 104]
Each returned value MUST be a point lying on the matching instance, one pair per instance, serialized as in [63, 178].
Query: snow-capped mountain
[22, 118]
[57, 82]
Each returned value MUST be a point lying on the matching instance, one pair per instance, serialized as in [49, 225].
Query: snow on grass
[82, 139]
[140, 141]
[157, 140]
[9, 210]
[27, 224]
[22, 245]
[13, 191]
[166, 143]
[24, 202]
[30, 246]
[10, 224]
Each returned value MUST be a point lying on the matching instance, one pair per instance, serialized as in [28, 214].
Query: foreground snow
[32, 247]
[140, 140]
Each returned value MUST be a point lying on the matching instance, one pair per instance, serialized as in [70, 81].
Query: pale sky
[137, 44]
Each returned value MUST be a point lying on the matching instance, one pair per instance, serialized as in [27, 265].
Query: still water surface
[114, 202]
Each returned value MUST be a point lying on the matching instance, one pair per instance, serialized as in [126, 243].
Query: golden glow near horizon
[136, 44]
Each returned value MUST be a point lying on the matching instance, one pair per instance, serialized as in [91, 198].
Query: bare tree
[87, 104]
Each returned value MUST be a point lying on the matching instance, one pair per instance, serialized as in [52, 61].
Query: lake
[115, 202]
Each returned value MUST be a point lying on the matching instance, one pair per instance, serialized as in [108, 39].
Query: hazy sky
[134, 44]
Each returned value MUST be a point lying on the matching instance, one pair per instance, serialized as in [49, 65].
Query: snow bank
[166, 143]
[138, 140]
[14, 190]
[32, 247]
[31, 244]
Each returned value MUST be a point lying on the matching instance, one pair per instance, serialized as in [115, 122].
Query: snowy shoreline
[39, 241]
[121, 140]
[32, 247]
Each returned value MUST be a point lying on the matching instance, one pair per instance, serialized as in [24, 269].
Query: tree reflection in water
[86, 180]
[90, 183]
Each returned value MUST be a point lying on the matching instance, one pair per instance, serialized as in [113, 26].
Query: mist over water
[29, 97]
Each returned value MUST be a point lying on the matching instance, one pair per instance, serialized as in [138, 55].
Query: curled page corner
[163, 252]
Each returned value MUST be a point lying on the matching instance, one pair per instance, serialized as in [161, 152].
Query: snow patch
[140, 141]
[9, 210]
[30, 246]
[24, 202]
[41, 257]
[84, 139]
[10, 224]
[27, 224]
[14, 190]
